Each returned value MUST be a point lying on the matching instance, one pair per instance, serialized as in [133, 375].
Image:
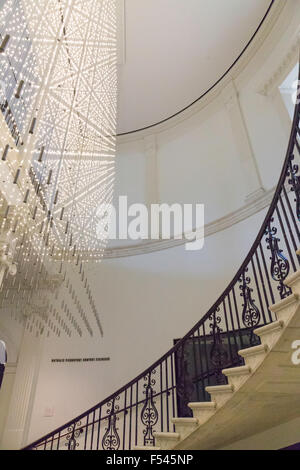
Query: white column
[282, 111]
[252, 180]
[16, 426]
[6, 392]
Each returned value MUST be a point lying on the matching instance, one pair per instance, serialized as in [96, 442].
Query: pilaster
[252, 180]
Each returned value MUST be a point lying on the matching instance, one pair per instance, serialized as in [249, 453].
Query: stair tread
[276, 325]
[184, 420]
[253, 350]
[203, 404]
[167, 435]
[219, 388]
[240, 370]
[146, 448]
[292, 277]
[284, 303]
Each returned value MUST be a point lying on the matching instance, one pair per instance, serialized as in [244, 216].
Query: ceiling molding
[150, 246]
[278, 74]
[246, 57]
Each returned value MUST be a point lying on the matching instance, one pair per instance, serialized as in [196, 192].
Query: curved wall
[147, 301]
[235, 138]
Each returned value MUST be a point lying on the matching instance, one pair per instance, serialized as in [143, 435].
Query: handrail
[215, 339]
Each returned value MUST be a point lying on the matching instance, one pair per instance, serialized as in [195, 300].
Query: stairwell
[237, 358]
[261, 394]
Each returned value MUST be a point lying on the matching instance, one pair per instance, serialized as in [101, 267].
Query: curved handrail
[174, 376]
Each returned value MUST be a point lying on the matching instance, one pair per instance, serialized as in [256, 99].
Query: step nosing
[292, 277]
[254, 350]
[219, 389]
[274, 326]
[242, 370]
[167, 435]
[203, 405]
[293, 298]
[184, 420]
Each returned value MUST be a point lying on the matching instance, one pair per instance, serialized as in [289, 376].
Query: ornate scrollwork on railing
[294, 181]
[250, 313]
[111, 439]
[213, 343]
[280, 267]
[74, 432]
[184, 385]
[218, 353]
[149, 414]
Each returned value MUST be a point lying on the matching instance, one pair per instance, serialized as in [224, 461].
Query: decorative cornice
[150, 246]
[240, 65]
[278, 75]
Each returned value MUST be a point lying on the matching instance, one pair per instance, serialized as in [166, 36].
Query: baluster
[237, 317]
[92, 432]
[130, 418]
[250, 313]
[161, 400]
[52, 441]
[86, 431]
[111, 439]
[287, 244]
[218, 353]
[291, 212]
[99, 429]
[207, 362]
[124, 418]
[136, 412]
[263, 286]
[258, 291]
[280, 267]
[167, 394]
[196, 374]
[227, 331]
[287, 221]
[173, 386]
[294, 181]
[267, 274]
[73, 433]
[201, 364]
[149, 414]
[184, 385]
[58, 441]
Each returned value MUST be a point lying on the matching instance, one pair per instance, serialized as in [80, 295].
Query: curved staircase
[232, 375]
[259, 395]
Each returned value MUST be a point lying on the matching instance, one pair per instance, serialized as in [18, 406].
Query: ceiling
[174, 50]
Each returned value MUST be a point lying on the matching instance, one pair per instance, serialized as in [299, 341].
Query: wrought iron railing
[131, 415]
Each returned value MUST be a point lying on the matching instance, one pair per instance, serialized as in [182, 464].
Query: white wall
[148, 300]
[199, 159]
[5, 394]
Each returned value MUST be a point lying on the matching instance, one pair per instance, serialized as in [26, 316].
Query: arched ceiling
[174, 50]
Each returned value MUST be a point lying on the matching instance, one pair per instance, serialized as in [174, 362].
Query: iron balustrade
[131, 415]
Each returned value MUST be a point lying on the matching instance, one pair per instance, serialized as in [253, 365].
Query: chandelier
[58, 96]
